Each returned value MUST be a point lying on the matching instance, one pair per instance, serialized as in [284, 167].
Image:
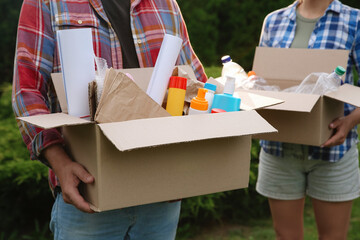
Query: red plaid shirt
[37, 57]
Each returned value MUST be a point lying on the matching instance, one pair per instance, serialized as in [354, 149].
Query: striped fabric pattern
[338, 28]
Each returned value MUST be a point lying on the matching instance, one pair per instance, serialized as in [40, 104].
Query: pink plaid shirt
[37, 57]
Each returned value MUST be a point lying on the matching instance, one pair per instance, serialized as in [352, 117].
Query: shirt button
[79, 22]
[139, 41]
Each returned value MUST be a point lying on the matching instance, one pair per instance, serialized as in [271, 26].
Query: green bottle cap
[340, 70]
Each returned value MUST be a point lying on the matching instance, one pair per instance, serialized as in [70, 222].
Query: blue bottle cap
[225, 59]
[210, 86]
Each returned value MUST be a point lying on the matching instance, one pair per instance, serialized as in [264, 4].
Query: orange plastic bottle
[199, 104]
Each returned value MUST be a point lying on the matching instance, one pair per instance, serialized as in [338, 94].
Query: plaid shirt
[338, 28]
[37, 56]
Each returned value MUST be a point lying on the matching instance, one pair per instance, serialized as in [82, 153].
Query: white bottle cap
[229, 87]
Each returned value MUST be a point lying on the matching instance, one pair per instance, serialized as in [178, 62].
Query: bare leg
[332, 219]
[288, 218]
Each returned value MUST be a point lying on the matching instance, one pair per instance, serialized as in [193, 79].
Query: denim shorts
[293, 176]
[146, 222]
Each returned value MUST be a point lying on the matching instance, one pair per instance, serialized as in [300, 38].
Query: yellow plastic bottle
[176, 96]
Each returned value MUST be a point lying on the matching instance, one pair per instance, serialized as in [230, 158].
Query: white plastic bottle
[336, 75]
[209, 96]
[330, 83]
[232, 69]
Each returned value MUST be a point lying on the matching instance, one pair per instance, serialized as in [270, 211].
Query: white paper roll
[164, 66]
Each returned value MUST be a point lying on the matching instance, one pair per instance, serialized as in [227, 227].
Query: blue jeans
[156, 221]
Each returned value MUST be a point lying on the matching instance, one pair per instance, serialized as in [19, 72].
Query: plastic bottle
[227, 101]
[232, 69]
[329, 83]
[199, 105]
[337, 74]
[209, 96]
[176, 96]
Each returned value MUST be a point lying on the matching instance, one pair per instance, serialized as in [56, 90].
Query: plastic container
[337, 75]
[232, 69]
[227, 101]
[209, 96]
[199, 105]
[217, 110]
[176, 95]
[329, 83]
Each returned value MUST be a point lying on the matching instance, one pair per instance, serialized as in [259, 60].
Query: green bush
[24, 191]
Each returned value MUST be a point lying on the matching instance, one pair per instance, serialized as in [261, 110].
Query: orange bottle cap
[199, 102]
[177, 82]
[251, 73]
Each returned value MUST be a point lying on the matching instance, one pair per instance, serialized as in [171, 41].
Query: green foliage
[24, 191]
[9, 10]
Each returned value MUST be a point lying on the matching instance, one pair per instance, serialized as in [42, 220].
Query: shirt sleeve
[357, 51]
[31, 80]
[264, 36]
[187, 54]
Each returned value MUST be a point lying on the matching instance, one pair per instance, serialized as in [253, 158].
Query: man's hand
[342, 127]
[70, 174]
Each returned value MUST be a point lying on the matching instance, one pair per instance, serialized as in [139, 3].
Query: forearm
[354, 118]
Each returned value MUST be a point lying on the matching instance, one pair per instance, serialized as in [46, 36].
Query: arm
[70, 175]
[32, 96]
[343, 125]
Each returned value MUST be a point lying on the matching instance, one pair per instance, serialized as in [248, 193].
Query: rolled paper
[165, 63]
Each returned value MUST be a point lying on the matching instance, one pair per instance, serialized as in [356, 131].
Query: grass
[262, 228]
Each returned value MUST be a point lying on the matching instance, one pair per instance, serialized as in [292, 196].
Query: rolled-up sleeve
[31, 80]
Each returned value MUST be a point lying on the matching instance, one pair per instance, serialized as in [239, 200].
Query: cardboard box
[302, 118]
[159, 159]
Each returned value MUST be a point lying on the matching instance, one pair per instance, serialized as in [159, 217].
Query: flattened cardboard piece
[142, 75]
[54, 120]
[60, 90]
[281, 65]
[250, 101]
[123, 100]
[346, 93]
[297, 102]
[159, 131]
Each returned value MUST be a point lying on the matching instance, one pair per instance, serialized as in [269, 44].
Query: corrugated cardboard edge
[54, 120]
[283, 63]
[297, 102]
[251, 101]
[346, 93]
[60, 90]
[168, 130]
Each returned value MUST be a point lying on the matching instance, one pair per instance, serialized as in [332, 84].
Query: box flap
[297, 102]
[284, 64]
[54, 120]
[159, 131]
[251, 101]
[142, 76]
[346, 93]
[60, 90]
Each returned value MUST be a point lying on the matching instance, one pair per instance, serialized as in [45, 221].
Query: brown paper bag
[123, 100]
